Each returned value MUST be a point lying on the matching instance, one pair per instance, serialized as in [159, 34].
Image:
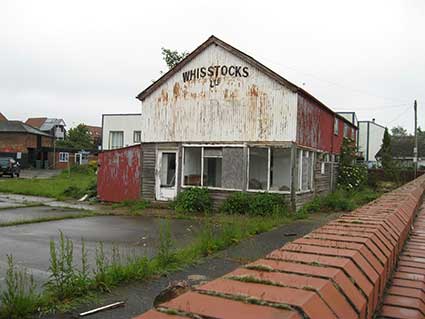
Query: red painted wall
[315, 126]
[118, 176]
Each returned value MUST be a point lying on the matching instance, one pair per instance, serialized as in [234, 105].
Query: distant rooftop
[44, 123]
[19, 127]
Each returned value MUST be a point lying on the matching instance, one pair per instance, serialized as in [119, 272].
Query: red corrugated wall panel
[118, 176]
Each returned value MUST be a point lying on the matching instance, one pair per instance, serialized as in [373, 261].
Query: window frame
[134, 136]
[110, 139]
[66, 155]
[310, 155]
[336, 126]
[268, 190]
[203, 146]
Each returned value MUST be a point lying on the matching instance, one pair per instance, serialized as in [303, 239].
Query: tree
[78, 138]
[351, 176]
[172, 58]
[387, 156]
[398, 131]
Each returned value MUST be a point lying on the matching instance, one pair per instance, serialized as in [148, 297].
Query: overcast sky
[78, 59]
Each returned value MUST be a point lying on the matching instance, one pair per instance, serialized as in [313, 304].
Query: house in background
[402, 151]
[24, 143]
[2, 117]
[51, 126]
[222, 120]
[369, 141]
[95, 135]
[121, 130]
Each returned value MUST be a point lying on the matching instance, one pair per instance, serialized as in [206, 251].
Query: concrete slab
[29, 244]
[33, 213]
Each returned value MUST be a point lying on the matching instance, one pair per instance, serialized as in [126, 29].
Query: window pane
[280, 169]
[258, 168]
[168, 170]
[212, 171]
[116, 139]
[192, 166]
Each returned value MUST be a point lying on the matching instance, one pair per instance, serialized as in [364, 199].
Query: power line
[334, 83]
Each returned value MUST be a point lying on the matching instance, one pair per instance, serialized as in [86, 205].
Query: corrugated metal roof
[50, 123]
[19, 127]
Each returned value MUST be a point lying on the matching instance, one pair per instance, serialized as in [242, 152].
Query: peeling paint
[223, 108]
[119, 174]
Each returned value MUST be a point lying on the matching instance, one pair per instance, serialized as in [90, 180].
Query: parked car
[8, 166]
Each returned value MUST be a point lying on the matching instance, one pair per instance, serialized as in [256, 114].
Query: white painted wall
[239, 109]
[362, 138]
[375, 135]
[128, 123]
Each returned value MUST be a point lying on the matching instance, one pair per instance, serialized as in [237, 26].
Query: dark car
[8, 166]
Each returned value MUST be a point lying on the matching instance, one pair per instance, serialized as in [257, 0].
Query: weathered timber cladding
[238, 109]
[148, 171]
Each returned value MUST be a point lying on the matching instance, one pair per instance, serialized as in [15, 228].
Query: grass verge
[79, 181]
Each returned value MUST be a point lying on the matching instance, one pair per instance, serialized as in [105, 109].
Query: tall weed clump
[19, 299]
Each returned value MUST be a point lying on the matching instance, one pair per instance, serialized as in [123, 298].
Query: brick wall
[20, 142]
[339, 270]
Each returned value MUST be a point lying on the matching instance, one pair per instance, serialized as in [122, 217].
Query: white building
[120, 130]
[369, 141]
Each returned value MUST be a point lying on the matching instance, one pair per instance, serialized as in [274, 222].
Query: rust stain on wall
[118, 176]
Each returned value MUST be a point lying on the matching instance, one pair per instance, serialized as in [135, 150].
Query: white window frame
[63, 157]
[336, 126]
[310, 154]
[203, 146]
[139, 133]
[268, 190]
[110, 139]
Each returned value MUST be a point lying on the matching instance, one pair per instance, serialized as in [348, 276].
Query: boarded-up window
[234, 170]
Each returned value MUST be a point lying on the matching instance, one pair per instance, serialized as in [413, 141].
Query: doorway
[166, 175]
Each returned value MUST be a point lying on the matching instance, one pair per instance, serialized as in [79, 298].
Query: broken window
[192, 166]
[258, 170]
[168, 170]
[305, 170]
[280, 169]
[212, 166]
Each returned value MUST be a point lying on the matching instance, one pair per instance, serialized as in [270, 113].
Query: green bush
[193, 200]
[236, 203]
[260, 204]
[340, 200]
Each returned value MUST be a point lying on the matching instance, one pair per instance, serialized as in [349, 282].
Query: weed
[165, 250]
[20, 299]
[261, 204]
[193, 200]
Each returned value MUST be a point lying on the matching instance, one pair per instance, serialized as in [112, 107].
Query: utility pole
[415, 149]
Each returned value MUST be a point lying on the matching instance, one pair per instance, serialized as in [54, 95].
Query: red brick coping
[339, 270]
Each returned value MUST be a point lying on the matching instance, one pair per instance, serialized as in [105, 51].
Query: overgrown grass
[340, 200]
[80, 181]
[69, 283]
[133, 206]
